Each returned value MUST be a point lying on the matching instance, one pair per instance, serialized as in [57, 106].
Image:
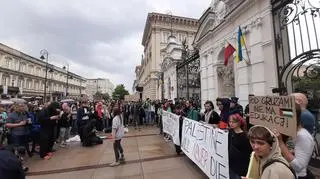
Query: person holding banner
[210, 116]
[239, 147]
[224, 107]
[179, 112]
[266, 161]
[191, 112]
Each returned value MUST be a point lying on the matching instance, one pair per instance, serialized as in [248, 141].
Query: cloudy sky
[98, 38]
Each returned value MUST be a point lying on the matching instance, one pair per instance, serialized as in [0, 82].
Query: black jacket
[10, 166]
[65, 120]
[239, 152]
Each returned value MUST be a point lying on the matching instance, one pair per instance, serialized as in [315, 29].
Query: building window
[7, 62]
[5, 81]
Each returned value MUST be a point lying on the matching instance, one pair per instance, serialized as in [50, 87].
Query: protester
[64, 123]
[48, 119]
[89, 137]
[304, 145]
[178, 111]
[235, 108]
[307, 118]
[267, 154]
[210, 116]
[19, 131]
[239, 147]
[98, 115]
[83, 116]
[224, 106]
[35, 127]
[117, 134]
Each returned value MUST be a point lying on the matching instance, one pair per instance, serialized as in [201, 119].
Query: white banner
[170, 123]
[207, 147]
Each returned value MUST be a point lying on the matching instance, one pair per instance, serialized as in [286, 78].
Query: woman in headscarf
[98, 115]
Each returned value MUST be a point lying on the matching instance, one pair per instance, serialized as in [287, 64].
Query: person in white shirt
[304, 145]
[117, 134]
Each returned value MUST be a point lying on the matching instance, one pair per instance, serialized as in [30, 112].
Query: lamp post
[44, 56]
[67, 86]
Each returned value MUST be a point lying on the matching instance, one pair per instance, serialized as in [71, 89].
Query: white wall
[259, 77]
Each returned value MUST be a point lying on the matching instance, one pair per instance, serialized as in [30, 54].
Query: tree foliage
[119, 92]
[101, 96]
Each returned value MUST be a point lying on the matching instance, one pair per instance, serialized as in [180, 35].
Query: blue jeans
[148, 117]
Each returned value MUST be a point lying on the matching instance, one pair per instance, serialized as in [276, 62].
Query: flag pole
[247, 61]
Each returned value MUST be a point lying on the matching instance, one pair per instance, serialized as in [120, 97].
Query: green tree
[119, 92]
[100, 96]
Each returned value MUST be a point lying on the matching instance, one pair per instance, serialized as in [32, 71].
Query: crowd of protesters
[37, 129]
[42, 129]
[267, 148]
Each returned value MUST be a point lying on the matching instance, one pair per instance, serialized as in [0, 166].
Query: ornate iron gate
[297, 37]
[188, 77]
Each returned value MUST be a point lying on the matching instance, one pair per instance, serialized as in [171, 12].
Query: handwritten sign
[170, 123]
[274, 112]
[207, 147]
[134, 97]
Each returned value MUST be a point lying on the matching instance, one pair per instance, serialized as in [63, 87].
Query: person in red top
[98, 115]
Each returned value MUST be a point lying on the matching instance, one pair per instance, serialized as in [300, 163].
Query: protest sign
[207, 147]
[170, 123]
[274, 112]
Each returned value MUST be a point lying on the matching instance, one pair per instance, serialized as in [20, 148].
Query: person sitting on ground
[89, 134]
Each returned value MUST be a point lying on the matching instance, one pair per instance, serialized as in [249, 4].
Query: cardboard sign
[129, 98]
[207, 147]
[274, 112]
[170, 123]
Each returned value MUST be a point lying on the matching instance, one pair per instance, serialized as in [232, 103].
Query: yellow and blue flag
[241, 44]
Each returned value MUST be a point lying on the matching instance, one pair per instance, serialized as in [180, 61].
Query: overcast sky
[98, 38]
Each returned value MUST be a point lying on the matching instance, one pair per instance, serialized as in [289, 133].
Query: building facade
[23, 75]
[172, 54]
[218, 26]
[99, 85]
[157, 29]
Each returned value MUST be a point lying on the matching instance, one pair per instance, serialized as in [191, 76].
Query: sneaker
[121, 157]
[62, 145]
[114, 164]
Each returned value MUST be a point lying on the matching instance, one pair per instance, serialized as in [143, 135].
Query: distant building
[157, 29]
[100, 85]
[23, 75]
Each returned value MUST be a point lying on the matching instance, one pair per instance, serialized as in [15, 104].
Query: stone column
[227, 75]
[11, 80]
[1, 78]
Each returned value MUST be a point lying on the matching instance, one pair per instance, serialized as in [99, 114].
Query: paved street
[147, 155]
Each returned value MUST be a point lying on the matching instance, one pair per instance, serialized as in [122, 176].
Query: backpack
[275, 160]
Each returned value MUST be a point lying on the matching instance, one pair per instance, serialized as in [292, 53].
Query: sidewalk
[147, 156]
